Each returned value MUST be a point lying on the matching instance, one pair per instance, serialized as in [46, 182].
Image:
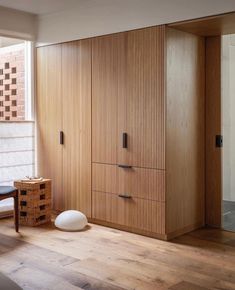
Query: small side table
[34, 202]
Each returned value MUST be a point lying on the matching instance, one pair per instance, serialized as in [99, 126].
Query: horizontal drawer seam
[162, 201]
[133, 166]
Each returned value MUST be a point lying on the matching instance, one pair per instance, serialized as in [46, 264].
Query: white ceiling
[41, 6]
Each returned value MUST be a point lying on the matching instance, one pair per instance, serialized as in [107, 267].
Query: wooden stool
[34, 201]
[7, 192]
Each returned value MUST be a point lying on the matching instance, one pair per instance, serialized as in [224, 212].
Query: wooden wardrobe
[131, 108]
[63, 107]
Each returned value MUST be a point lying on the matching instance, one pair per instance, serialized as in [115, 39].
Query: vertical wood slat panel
[137, 182]
[213, 128]
[185, 131]
[107, 70]
[49, 119]
[144, 99]
[134, 213]
[128, 96]
[76, 103]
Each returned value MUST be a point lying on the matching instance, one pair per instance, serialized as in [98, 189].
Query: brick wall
[12, 83]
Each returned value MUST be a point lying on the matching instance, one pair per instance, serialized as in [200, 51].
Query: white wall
[228, 116]
[16, 151]
[16, 155]
[17, 24]
[98, 17]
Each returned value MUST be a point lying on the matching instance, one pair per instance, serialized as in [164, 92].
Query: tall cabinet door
[144, 100]
[76, 103]
[49, 119]
[128, 109]
[108, 84]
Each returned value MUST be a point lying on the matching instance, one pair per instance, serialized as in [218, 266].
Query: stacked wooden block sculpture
[34, 202]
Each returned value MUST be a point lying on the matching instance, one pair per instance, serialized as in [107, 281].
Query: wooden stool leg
[16, 207]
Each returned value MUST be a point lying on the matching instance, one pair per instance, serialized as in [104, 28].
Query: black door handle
[124, 166]
[61, 137]
[124, 140]
[124, 195]
[219, 141]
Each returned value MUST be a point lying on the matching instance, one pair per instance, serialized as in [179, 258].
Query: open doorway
[228, 131]
[219, 34]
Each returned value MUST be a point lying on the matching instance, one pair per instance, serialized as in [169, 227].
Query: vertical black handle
[61, 137]
[124, 140]
[219, 141]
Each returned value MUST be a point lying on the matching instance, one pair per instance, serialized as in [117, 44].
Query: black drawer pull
[124, 195]
[23, 213]
[124, 166]
[61, 137]
[124, 140]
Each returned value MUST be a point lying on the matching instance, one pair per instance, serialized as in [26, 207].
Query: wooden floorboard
[109, 259]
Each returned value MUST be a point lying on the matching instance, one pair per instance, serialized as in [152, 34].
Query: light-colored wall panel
[19, 24]
[228, 116]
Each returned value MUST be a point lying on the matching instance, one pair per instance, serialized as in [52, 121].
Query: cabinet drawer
[137, 182]
[135, 213]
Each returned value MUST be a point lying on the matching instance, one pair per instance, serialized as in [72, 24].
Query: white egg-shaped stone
[71, 220]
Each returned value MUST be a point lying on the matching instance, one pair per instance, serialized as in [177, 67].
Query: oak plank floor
[109, 259]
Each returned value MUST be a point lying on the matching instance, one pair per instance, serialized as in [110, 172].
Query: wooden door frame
[212, 28]
[213, 159]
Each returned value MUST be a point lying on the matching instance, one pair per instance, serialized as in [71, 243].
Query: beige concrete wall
[14, 23]
[228, 115]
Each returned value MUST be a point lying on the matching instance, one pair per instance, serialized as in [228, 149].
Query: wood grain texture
[144, 99]
[76, 104]
[208, 26]
[49, 119]
[109, 259]
[137, 182]
[185, 131]
[128, 96]
[213, 128]
[107, 73]
[135, 213]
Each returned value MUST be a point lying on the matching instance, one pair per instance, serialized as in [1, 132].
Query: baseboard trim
[184, 230]
[128, 229]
